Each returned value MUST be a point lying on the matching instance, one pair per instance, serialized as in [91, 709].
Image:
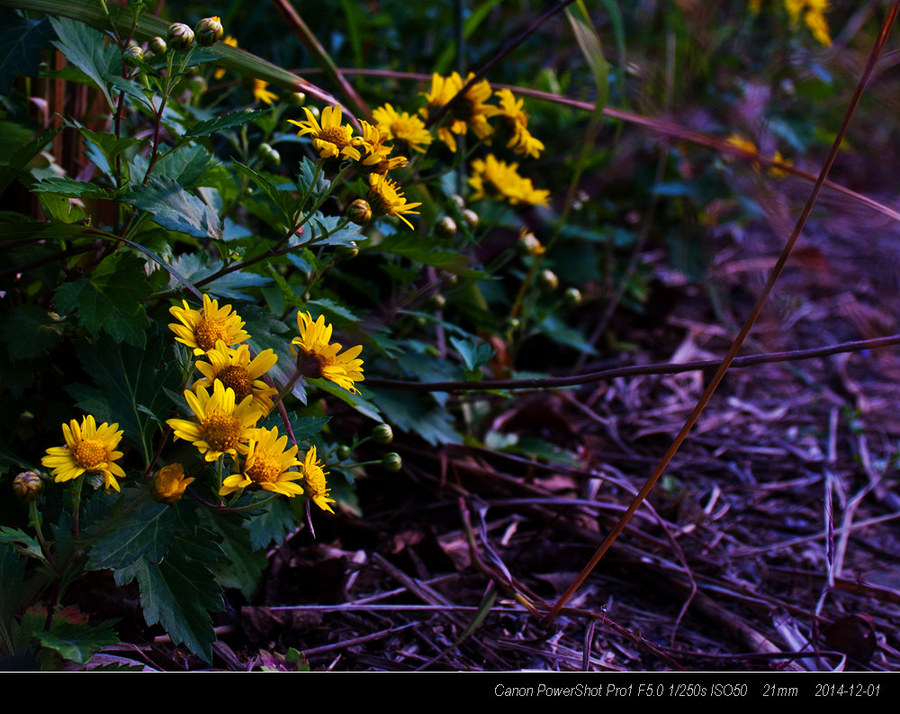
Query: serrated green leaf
[77, 641]
[86, 49]
[418, 414]
[180, 592]
[109, 299]
[272, 526]
[172, 207]
[220, 123]
[243, 565]
[137, 528]
[65, 186]
[21, 43]
[196, 267]
[422, 251]
[29, 331]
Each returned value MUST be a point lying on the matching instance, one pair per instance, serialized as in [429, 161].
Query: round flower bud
[343, 452]
[471, 218]
[180, 36]
[446, 227]
[458, 200]
[360, 212]
[28, 485]
[133, 53]
[169, 483]
[392, 462]
[436, 302]
[270, 157]
[157, 46]
[547, 280]
[572, 297]
[346, 252]
[528, 244]
[296, 99]
[382, 434]
[209, 31]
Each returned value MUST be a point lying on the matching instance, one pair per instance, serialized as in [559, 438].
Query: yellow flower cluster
[231, 397]
[812, 12]
[492, 178]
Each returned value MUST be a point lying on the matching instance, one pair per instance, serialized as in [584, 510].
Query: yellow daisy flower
[89, 449]
[235, 369]
[261, 92]
[267, 465]
[330, 138]
[496, 179]
[317, 357]
[316, 484]
[231, 42]
[514, 122]
[221, 426]
[375, 155]
[403, 127]
[469, 112]
[169, 484]
[387, 200]
[202, 329]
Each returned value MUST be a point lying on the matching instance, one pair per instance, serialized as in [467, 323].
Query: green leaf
[29, 331]
[21, 43]
[77, 641]
[417, 413]
[21, 541]
[109, 299]
[474, 354]
[180, 592]
[66, 186]
[272, 526]
[172, 207]
[413, 247]
[220, 123]
[135, 529]
[86, 48]
[243, 565]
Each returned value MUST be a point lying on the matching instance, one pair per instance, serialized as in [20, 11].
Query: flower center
[90, 453]
[208, 331]
[238, 379]
[334, 135]
[263, 470]
[221, 432]
[309, 364]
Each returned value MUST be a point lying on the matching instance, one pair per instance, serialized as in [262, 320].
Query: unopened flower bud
[270, 157]
[382, 434]
[343, 452]
[346, 252]
[528, 244]
[295, 99]
[209, 31]
[446, 227]
[169, 483]
[572, 297]
[458, 200]
[360, 212]
[133, 53]
[547, 280]
[392, 462]
[28, 485]
[180, 36]
[471, 218]
[157, 46]
[436, 302]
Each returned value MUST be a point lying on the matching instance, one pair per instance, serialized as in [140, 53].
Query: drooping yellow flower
[316, 484]
[375, 155]
[513, 122]
[169, 484]
[402, 126]
[318, 357]
[330, 138]
[202, 329]
[386, 199]
[491, 178]
[89, 449]
[231, 42]
[468, 112]
[268, 465]
[221, 426]
[262, 93]
[235, 369]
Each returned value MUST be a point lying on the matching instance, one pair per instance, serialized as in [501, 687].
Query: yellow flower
[317, 357]
[514, 122]
[387, 200]
[330, 138]
[261, 93]
[169, 484]
[221, 426]
[316, 483]
[496, 179]
[235, 369]
[403, 127]
[375, 155]
[468, 112]
[813, 12]
[267, 465]
[89, 449]
[202, 329]
[231, 42]
[775, 171]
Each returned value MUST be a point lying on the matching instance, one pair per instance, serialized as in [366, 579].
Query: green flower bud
[270, 157]
[346, 252]
[296, 99]
[28, 485]
[157, 46]
[547, 280]
[471, 218]
[133, 53]
[446, 227]
[436, 302]
[209, 31]
[392, 462]
[382, 434]
[180, 36]
[360, 212]
[572, 297]
[343, 452]
[458, 200]
[528, 244]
